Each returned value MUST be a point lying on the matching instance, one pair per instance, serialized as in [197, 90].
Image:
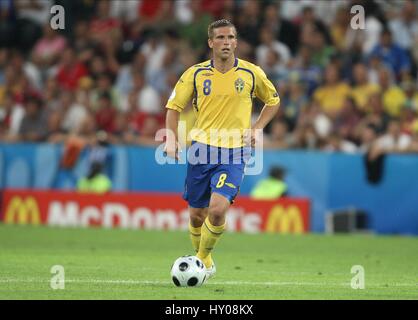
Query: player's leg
[197, 194]
[225, 184]
[197, 217]
[213, 227]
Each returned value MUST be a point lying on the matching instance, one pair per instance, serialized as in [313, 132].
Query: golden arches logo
[285, 220]
[26, 209]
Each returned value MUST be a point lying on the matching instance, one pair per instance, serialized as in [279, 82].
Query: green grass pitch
[128, 264]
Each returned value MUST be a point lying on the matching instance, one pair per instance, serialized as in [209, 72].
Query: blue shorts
[220, 170]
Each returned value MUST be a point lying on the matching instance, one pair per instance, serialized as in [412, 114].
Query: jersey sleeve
[264, 89]
[182, 92]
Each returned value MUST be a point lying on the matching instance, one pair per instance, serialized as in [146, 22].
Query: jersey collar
[235, 63]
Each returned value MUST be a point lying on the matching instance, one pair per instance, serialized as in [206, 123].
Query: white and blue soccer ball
[188, 271]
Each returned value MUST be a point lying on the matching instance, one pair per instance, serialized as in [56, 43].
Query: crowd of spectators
[116, 62]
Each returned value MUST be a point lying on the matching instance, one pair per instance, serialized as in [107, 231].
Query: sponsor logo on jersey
[230, 185]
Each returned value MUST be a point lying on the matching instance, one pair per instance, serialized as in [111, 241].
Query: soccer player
[222, 90]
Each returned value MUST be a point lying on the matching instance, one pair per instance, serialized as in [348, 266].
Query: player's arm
[267, 93]
[266, 115]
[171, 124]
[181, 95]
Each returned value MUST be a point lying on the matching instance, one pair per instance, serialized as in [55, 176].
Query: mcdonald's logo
[285, 220]
[26, 209]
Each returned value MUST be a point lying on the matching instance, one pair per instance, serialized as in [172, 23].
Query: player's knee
[196, 221]
[197, 216]
[217, 214]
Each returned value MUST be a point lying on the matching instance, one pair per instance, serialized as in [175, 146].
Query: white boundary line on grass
[233, 283]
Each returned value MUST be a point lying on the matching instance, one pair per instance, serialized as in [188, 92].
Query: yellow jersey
[222, 102]
[331, 98]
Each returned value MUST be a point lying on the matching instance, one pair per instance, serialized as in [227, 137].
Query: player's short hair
[219, 24]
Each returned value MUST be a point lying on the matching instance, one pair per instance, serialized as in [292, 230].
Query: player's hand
[172, 149]
[252, 136]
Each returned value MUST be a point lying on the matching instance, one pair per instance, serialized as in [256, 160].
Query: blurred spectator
[274, 68]
[411, 91]
[308, 72]
[104, 85]
[346, 120]
[148, 100]
[154, 51]
[124, 80]
[122, 133]
[25, 73]
[392, 55]
[336, 143]
[159, 79]
[322, 51]
[332, 94]
[269, 43]
[279, 137]
[73, 146]
[125, 10]
[34, 124]
[154, 12]
[183, 11]
[47, 49]
[368, 136]
[393, 140]
[362, 88]
[105, 113]
[80, 40]
[393, 96]
[405, 26]
[55, 133]
[103, 26]
[72, 113]
[294, 99]
[70, 70]
[7, 23]
[248, 22]
[374, 64]
[340, 27]
[282, 29]
[407, 120]
[376, 115]
[148, 130]
[413, 147]
[11, 115]
[196, 33]
[308, 17]
[96, 181]
[290, 9]
[31, 16]
[97, 67]
[4, 55]
[306, 137]
[271, 188]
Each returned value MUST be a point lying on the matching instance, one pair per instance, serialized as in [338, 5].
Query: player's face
[224, 42]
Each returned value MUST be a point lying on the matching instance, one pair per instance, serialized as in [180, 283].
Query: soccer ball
[188, 271]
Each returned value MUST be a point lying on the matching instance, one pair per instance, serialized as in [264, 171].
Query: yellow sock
[195, 236]
[210, 235]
